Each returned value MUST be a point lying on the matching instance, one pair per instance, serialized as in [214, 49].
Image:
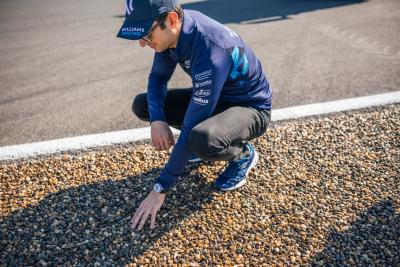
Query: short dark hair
[163, 17]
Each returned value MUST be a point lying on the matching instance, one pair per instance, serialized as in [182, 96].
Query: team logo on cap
[129, 6]
[162, 9]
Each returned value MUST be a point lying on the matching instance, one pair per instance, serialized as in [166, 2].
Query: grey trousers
[220, 137]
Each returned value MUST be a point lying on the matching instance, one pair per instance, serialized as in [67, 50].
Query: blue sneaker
[193, 158]
[235, 175]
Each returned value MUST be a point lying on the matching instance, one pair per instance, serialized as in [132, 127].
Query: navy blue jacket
[222, 67]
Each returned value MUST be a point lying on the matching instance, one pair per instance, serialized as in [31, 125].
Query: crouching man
[228, 105]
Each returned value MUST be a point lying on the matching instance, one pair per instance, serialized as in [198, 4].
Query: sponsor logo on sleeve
[200, 101]
[202, 84]
[203, 75]
[202, 93]
[202, 80]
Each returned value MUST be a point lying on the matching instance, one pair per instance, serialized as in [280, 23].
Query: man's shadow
[257, 11]
[373, 239]
[91, 223]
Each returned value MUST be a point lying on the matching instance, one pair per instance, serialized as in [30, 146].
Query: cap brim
[134, 30]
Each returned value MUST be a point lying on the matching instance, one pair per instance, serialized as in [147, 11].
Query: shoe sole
[241, 183]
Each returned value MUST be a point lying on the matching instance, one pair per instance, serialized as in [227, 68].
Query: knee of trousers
[139, 107]
[204, 143]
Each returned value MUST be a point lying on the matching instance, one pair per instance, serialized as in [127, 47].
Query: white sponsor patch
[203, 75]
[202, 93]
[202, 84]
[200, 100]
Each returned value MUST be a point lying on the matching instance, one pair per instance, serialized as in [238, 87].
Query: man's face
[161, 39]
[157, 40]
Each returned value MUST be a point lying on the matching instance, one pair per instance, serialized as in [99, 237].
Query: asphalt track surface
[64, 73]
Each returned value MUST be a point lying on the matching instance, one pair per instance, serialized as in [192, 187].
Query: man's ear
[173, 20]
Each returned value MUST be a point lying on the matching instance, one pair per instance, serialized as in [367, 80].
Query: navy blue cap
[140, 15]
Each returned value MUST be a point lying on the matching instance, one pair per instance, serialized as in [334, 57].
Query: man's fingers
[135, 221]
[166, 144]
[156, 143]
[162, 144]
[153, 219]
[144, 218]
[170, 142]
[171, 138]
[136, 217]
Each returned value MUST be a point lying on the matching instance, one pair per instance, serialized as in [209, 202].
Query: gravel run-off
[326, 191]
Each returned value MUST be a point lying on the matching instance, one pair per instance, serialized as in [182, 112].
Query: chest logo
[187, 64]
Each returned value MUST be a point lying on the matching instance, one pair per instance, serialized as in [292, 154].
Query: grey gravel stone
[325, 192]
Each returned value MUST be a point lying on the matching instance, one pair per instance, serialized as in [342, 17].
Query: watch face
[157, 187]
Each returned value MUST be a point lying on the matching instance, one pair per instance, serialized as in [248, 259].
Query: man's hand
[149, 206]
[161, 135]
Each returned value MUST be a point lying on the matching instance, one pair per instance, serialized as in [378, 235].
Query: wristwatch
[157, 187]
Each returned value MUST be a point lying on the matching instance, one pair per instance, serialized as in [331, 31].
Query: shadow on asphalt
[372, 233]
[102, 234]
[259, 11]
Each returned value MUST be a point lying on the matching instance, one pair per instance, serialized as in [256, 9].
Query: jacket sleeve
[210, 67]
[161, 72]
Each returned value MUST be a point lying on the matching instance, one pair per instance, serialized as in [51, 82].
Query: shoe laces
[235, 169]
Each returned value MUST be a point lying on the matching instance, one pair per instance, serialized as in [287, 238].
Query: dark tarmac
[64, 73]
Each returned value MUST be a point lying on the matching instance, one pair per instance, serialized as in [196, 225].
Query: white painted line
[335, 106]
[73, 143]
[134, 135]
